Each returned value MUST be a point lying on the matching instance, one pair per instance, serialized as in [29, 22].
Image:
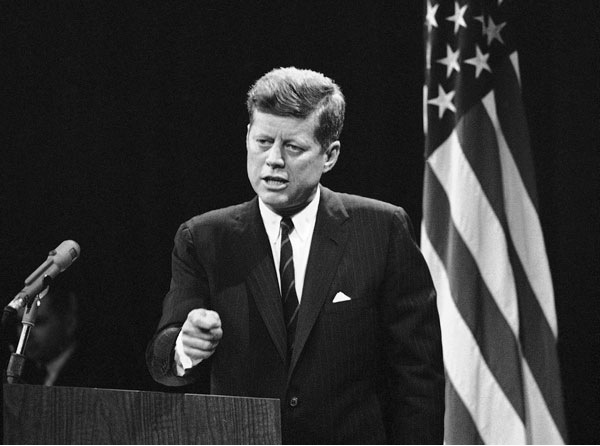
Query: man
[349, 341]
[57, 353]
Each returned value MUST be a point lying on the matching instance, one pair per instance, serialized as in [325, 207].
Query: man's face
[285, 161]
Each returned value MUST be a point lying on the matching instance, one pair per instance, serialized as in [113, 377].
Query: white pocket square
[340, 297]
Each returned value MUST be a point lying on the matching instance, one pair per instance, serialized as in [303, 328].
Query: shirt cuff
[183, 362]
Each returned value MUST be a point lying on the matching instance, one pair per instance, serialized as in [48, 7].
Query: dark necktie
[288, 283]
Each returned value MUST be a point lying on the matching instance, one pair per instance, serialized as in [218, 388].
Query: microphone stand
[17, 359]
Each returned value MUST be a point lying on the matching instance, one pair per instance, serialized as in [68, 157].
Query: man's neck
[290, 212]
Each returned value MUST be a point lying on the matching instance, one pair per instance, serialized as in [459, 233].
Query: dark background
[121, 121]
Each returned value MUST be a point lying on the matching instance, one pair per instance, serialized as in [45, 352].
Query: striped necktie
[288, 283]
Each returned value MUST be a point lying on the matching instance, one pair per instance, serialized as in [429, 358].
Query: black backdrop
[122, 121]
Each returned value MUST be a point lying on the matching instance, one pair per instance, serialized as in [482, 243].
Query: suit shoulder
[377, 214]
[370, 210]
[217, 217]
[213, 224]
[360, 203]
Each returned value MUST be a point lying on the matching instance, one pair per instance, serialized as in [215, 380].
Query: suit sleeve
[411, 342]
[189, 290]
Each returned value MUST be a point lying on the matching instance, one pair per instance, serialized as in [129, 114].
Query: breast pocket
[349, 329]
[348, 305]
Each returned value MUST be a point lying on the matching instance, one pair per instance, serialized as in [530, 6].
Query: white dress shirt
[300, 238]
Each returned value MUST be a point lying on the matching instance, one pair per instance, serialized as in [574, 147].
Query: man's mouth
[275, 181]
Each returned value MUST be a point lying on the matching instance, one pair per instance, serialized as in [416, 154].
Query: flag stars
[458, 18]
[481, 19]
[443, 101]
[430, 17]
[479, 62]
[451, 61]
[492, 31]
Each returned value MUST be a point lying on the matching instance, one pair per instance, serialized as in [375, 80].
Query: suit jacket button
[294, 401]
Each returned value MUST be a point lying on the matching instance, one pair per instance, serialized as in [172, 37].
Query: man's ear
[332, 153]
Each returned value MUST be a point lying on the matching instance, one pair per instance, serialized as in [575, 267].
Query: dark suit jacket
[367, 370]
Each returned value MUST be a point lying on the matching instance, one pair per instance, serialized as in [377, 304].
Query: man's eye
[294, 148]
[263, 142]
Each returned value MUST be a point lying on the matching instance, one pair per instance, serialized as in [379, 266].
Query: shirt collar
[304, 221]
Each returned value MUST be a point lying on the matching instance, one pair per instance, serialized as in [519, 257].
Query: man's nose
[275, 155]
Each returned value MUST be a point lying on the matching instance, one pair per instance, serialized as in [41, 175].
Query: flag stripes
[530, 265]
[520, 190]
[475, 385]
[476, 222]
[478, 309]
[481, 153]
[512, 115]
[482, 237]
[476, 305]
[543, 426]
[464, 430]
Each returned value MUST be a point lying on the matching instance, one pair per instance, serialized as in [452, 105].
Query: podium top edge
[138, 391]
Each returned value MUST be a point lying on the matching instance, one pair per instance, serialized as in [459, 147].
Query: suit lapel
[327, 246]
[262, 278]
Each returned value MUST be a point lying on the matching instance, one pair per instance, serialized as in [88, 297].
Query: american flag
[481, 233]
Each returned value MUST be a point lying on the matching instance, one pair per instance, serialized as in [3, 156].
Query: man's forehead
[288, 125]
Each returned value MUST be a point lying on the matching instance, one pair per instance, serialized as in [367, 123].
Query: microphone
[58, 260]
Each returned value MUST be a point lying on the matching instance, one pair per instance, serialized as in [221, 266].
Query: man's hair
[300, 93]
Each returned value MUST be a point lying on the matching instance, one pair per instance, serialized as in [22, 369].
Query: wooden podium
[78, 415]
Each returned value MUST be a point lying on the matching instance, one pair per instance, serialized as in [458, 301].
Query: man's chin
[274, 204]
[273, 197]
